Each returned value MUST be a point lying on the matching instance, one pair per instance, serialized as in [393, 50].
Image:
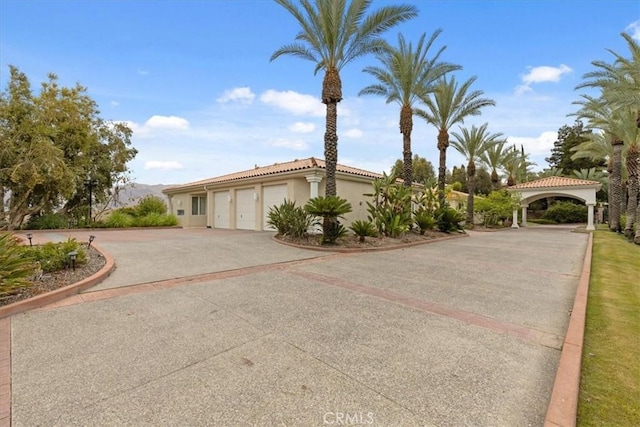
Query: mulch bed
[58, 279]
[353, 242]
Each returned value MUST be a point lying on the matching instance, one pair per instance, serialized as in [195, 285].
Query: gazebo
[555, 186]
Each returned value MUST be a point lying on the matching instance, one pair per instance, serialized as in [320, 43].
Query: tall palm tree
[494, 158]
[404, 76]
[332, 34]
[619, 125]
[447, 105]
[517, 165]
[471, 144]
[619, 83]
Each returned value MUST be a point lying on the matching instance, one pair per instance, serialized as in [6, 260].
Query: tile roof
[554, 182]
[276, 168]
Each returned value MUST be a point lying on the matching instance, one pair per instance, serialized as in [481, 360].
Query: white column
[524, 215]
[590, 217]
[313, 181]
[515, 219]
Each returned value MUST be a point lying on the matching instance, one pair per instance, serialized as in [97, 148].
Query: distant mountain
[132, 193]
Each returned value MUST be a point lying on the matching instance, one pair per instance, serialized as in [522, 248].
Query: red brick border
[62, 293]
[563, 406]
[5, 372]
[338, 249]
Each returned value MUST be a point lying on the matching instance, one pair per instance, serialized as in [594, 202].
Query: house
[242, 200]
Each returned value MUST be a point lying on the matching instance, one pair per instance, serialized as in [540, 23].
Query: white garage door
[221, 210]
[245, 210]
[272, 195]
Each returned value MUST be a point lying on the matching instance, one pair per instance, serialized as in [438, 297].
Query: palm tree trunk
[633, 154]
[443, 143]
[471, 183]
[495, 179]
[331, 95]
[406, 126]
[615, 186]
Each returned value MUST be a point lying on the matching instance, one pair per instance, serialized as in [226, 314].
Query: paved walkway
[209, 327]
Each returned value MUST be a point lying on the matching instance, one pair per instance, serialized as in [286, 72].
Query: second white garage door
[272, 195]
[245, 210]
[221, 209]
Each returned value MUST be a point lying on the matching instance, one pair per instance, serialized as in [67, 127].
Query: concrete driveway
[211, 327]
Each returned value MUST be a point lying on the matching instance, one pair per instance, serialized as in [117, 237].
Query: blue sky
[194, 81]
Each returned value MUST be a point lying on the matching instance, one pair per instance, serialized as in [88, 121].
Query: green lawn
[610, 381]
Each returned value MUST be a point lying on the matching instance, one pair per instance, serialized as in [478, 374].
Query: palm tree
[518, 165]
[494, 158]
[448, 105]
[471, 144]
[404, 76]
[334, 33]
[618, 114]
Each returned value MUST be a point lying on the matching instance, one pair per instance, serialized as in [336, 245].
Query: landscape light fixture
[72, 256]
[30, 236]
[91, 239]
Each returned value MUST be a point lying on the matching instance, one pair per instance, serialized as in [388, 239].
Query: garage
[221, 209]
[245, 209]
[272, 195]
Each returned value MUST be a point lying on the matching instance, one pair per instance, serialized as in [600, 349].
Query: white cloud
[167, 122]
[294, 102]
[634, 29]
[536, 145]
[541, 74]
[294, 144]
[353, 133]
[168, 165]
[242, 95]
[143, 72]
[114, 103]
[302, 127]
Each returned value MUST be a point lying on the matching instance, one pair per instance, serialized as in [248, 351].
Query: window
[198, 205]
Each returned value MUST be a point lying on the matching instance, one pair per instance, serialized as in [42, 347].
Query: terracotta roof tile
[277, 168]
[554, 182]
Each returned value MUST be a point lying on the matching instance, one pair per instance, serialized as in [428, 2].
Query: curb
[64, 292]
[563, 405]
[368, 249]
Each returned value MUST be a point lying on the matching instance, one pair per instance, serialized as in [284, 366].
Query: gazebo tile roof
[554, 182]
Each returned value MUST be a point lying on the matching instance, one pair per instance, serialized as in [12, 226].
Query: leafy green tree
[404, 76]
[562, 154]
[332, 34]
[423, 171]
[471, 143]
[483, 181]
[447, 105]
[51, 143]
[459, 175]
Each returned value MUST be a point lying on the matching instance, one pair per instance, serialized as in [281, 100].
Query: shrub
[424, 220]
[449, 219]
[155, 219]
[542, 221]
[119, 219]
[50, 221]
[15, 265]
[390, 211]
[55, 256]
[151, 204]
[566, 213]
[363, 229]
[290, 220]
[496, 208]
